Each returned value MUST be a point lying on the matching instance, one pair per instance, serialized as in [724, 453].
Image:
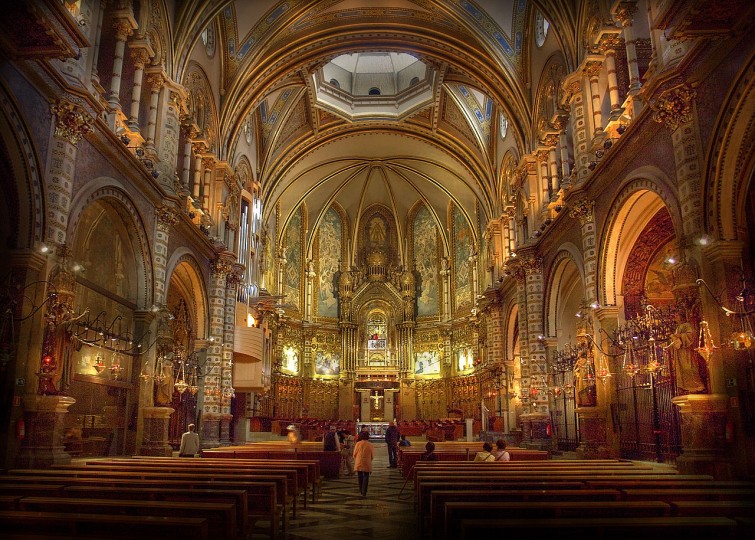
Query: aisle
[341, 512]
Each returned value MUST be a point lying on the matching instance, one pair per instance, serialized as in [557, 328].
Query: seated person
[486, 454]
[429, 453]
[403, 441]
[500, 451]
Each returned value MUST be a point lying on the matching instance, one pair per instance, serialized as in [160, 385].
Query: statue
[584, 386]
[685, 359]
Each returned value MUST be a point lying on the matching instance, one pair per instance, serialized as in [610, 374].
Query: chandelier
[741, 338]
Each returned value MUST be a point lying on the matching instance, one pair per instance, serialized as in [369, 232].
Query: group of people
[488, 454]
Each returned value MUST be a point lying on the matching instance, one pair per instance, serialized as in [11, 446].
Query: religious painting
[462, 247]
[290, 361]
[658, 280]
[427, 363]
[327, 363]
[292, 251]
[377, 232]
[329, 241]
[426, 262]
[464, 359]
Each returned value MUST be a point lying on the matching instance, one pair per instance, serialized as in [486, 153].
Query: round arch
[112, 192]
[638, 201]
[566, 290]
[184, 273]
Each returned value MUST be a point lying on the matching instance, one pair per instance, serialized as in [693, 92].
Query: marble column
[165, 218]
[542, 158]
[156, 81]
[140, 54]
[123, 26]
[592, 70]
[574, 102]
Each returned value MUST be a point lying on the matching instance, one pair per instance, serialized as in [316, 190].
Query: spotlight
[125, 139]
[621, 129]
[592, 165]
[44, 249]
[139, 152]
[608, 143]
[155, 173]
[595, 305]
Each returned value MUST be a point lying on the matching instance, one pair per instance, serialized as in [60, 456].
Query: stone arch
[184, 272]
[731, 160]
[549, 95]
[507, 179]
[644, 193]
[201, 104]
[566, 283]
[112, 192]
[21, 186]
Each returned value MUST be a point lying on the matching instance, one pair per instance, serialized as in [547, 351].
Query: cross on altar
[377, 400]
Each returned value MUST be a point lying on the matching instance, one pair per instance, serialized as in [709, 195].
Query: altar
[375, 429]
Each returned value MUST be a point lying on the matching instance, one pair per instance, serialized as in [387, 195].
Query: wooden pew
[688, 494]
[262, 495]
[646, 528]
[82, 525]
[730, 509]
[237, 497]
[221, 517]
[15, 487]
[454, 512]
[9, 502]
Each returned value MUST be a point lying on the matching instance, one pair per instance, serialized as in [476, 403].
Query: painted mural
[290, 363]
[426, 262]
[292, 251]
[329, 237]
[462, 252]
[427, 363]
[327, 363]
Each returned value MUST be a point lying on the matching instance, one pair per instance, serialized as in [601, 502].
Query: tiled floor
[342, 513]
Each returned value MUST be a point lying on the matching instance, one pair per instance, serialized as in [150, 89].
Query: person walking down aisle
[364, 453]
[391, 441]
[189, 443]
[347, 453]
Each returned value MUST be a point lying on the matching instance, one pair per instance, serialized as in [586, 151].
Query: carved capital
[582, 209]
[208, 163]
[532, 264]
[560, 122]
[515, 269]
[551, 140]
[122, 29]
[221, 266]
[610, 43]
[140, 57]
[674, 106]
[199, 148]
[592, 68]
[189, 130]
[542, 156]
[71, 121]
[166, 217]
[155, 81]
[624, 13]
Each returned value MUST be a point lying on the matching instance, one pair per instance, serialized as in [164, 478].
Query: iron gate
[563, 416]
[646, 420]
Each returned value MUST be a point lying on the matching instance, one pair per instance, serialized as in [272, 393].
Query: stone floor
[341, 512]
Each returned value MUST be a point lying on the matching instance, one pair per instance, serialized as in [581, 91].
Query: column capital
[122, 27]
[550, 140]
[166, 217]
[624, 11]
[156, 81]
[223, 263]
[72, 122]
[542, 155]
[673, 107]
[572, 87]
[610, 42]
[593, 67]
[140, 56]
[582, 209]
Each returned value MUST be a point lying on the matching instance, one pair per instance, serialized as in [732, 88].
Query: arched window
[414, 81]
[541, 29]
[374, 91]
[334, 82]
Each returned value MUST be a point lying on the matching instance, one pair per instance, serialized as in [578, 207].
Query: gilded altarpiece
[425, 246]
[329, 256]
[462, 252]
[292, 251]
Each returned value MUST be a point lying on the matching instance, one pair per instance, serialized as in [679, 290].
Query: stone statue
[685, 359]
[584, 388]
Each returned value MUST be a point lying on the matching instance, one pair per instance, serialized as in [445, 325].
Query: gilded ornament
[674, 106]
[582, 210]
[72, 122]
[166, 216]
[592, 69]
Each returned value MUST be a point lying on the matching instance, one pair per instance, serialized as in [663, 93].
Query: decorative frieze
[71, 121]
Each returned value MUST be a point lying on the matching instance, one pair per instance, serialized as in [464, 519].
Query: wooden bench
[646, 528]
[9, 502]
[82, 525]
[264, 501]
[237, 497]
[688, 494]
[15, 487]
[454, 512]
[221, 517]
[728, 509]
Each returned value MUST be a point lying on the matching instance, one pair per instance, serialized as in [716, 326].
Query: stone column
[209, 164]
[71, 123]
[542, 158]
[96, 46]
[165, 218]
[189, 132]
[574, 101]
[155, 432]
[583, 210]
[592, 69]
[560, 121]
[624, 13]
[551, 141]
[212, 412]
[123, 26]
[608, 44]
[156, 81]
[196, 187]
[674, 109]
[141, 53]
[229, 329]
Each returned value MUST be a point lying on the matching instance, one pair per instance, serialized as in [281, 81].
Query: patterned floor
[341, 512]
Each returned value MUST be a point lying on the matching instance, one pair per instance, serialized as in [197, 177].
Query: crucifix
[377, 400]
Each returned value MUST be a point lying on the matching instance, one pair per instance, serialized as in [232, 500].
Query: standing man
[330, 442]
[189, 443]
[391, 440]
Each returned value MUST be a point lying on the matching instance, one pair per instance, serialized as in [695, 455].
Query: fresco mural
[427, 363]
[329, 239]
[426, 262]
[465, 359]
[327, 363]
[292, 252]
[462, 251]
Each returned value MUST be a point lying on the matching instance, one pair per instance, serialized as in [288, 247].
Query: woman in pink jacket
[364, 453]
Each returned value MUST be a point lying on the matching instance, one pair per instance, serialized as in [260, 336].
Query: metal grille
[563, 417]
